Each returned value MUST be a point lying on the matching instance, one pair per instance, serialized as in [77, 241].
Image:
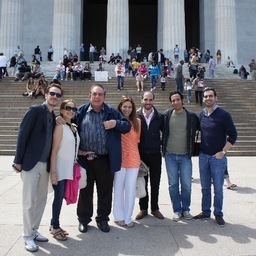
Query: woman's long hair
[133, 117]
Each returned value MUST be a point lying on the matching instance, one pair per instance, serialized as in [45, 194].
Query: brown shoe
[141, 214]
[157, 214]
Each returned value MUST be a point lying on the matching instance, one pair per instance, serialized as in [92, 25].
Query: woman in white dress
[64, 152]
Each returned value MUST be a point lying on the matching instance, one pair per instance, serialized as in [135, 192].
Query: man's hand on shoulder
[60, 120]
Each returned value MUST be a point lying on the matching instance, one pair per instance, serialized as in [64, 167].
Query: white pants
[34, 196]
[124, 194]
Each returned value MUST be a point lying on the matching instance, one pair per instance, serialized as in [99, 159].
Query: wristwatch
[224, 152]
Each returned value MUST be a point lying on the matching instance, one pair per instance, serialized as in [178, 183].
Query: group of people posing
[109, 143]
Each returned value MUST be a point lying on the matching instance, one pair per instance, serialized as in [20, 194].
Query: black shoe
[220, 221]
[103, 226]
[201, 216]
[82, 227]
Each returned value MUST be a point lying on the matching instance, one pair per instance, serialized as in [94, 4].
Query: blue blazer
[32, 137]
[113, 135]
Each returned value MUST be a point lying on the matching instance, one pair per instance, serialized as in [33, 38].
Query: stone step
[232, 97]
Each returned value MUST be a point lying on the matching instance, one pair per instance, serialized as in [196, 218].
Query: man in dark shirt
[100, 127]
[218, 134]
[150, 152]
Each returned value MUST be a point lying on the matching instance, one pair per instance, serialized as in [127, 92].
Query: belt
[85, 153]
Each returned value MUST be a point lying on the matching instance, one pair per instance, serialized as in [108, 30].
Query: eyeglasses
[68, 108]
[58, 95]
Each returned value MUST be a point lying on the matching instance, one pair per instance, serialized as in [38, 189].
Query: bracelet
[224, 152]
[15, 168]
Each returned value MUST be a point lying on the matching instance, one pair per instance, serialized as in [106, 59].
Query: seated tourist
[100, 67]
[78, 71]
[31, 88]
[60, 71]
[230, 63]
[69, 71]
[37, 70]
[23, 72]
[87, 71]
[112, 59]
[42, 85]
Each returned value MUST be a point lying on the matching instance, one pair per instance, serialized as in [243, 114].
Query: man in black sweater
[150, 152]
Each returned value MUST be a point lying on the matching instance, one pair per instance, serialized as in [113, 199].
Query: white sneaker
[176, 216]
[39, 237]
[187, 215]
[31, 246]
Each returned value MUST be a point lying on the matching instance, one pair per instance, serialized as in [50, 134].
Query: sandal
[120, 223]
[65, 232]
[59, 235]
[232, 186]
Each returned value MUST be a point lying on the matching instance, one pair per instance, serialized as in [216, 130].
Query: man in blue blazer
[100, 127]
[32, 161]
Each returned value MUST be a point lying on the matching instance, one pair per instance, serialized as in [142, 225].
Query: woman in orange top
[125, 179]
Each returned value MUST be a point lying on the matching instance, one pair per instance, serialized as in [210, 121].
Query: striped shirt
[93, 134]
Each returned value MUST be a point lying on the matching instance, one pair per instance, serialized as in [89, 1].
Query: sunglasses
[58, 95]
[68, 108]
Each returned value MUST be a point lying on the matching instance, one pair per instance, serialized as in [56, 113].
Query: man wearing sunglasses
[218, 134]
[32, 161]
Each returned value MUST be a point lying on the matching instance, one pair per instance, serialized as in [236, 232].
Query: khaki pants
[34, 196]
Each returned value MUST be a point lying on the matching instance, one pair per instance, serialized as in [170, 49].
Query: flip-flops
[232, 186]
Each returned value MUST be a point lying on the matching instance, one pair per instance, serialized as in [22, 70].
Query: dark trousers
[98, 170]
[59, 191]
[154, 162]
[199, 96]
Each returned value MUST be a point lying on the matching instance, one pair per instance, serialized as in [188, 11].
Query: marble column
[64, 28]
[117, 28]
[225, 23]
[171, 26]
[11, 26]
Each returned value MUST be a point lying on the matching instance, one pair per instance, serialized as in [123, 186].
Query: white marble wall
[226, 36]
[171, 12]
[11, 28]
[30, 23]
[117, 27]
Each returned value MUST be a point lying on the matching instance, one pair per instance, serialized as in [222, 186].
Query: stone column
[117, 28]
[225, 22]
[64, 28]
[11, 26]
[171, 15]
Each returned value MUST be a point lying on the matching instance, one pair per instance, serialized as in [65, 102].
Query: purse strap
[74, 131]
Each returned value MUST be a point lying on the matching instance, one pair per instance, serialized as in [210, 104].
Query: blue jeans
[212, 171]
[60, 75]
[153, 80]
[179, 170]
[189, 95]
[59, 190]
[211, 73]
[179, 85]
[120, 81]
[160, 67]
